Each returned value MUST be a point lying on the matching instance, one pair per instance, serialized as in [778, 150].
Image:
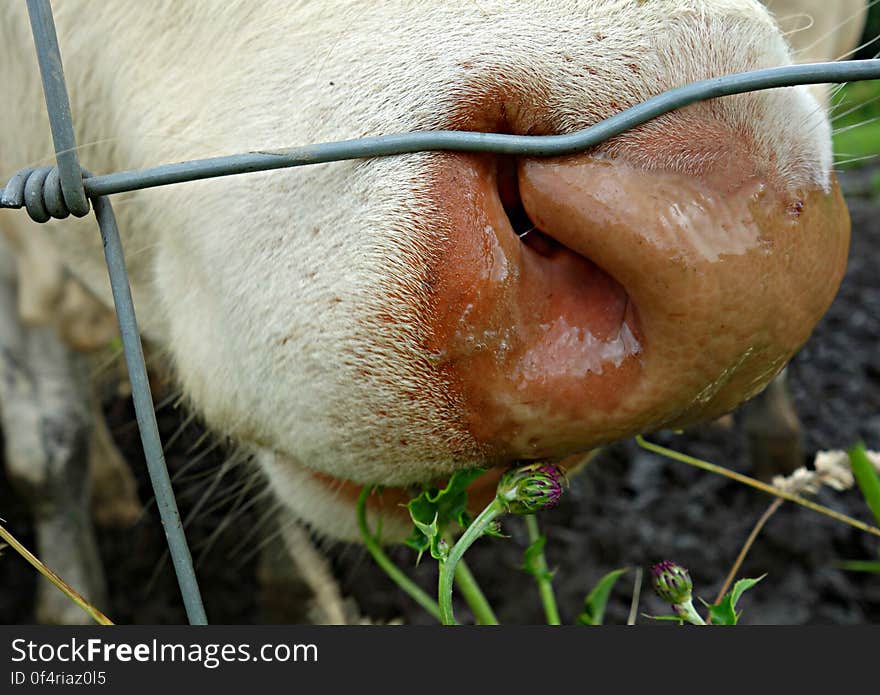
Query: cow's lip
[620, 325]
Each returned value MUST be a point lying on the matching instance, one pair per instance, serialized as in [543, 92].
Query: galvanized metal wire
[463, 141]
[56, 192]
[40, 189]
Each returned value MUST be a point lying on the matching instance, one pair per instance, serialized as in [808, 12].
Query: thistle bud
[531, 488]
[672, 582]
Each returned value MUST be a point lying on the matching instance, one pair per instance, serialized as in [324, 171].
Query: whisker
[222, 497]
[174, 395]
[843, 129]
[833, 29]
[190, 483]
[797, 15]
[242, 551]
[201, 440]
[855, 108]
[105, 365]
[227, 465]
[181, 428]
[185, 468]
[206, 545]
[858, 48]
[851, 160]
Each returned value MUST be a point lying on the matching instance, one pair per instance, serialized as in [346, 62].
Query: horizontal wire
[466, 141]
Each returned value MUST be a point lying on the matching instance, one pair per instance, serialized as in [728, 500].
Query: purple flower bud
[672, 582]
[531, 488]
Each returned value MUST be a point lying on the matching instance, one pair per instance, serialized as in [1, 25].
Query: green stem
[447, 568]
[467, 585]
[688, 613]
[538, 569]
[372, 543]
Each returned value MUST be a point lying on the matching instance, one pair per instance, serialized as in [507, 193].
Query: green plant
[594, 605]
[866, 477]
[523, 490]
[673, 584]
[439, 513]
[868, 480]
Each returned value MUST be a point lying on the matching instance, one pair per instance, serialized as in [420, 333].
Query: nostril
[507, 181]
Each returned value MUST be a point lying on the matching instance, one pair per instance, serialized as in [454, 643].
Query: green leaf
[432, 537]
[860, 566]
[597, 599]
[867, 478]
[531, 563]
[436, 508]
[724, 612]
[742, 586]
[494, 530]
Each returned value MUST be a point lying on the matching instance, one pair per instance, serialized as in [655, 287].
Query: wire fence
[59, 191]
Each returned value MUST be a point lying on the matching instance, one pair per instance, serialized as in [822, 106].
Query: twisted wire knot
[38, 190]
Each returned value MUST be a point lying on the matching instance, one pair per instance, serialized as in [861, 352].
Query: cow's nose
[727, 277]
[643, 299]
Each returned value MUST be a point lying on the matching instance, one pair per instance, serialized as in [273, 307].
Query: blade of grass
[866, 477]
[63, 586]
[860, 566]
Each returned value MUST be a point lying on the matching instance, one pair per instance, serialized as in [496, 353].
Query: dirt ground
[629, 508]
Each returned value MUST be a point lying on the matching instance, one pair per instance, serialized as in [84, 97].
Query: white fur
[288, 301]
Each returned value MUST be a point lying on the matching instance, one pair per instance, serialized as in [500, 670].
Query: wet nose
[644, 299]
[727, 274]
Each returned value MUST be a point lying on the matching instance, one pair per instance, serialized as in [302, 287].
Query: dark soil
[629, 508]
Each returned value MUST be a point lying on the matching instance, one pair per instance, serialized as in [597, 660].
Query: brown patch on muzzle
[648, 299]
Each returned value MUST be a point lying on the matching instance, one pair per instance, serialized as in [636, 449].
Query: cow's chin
[582, 300]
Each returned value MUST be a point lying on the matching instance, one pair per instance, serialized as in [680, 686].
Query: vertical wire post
[58, 103]
[146, 414]
[71, 177]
